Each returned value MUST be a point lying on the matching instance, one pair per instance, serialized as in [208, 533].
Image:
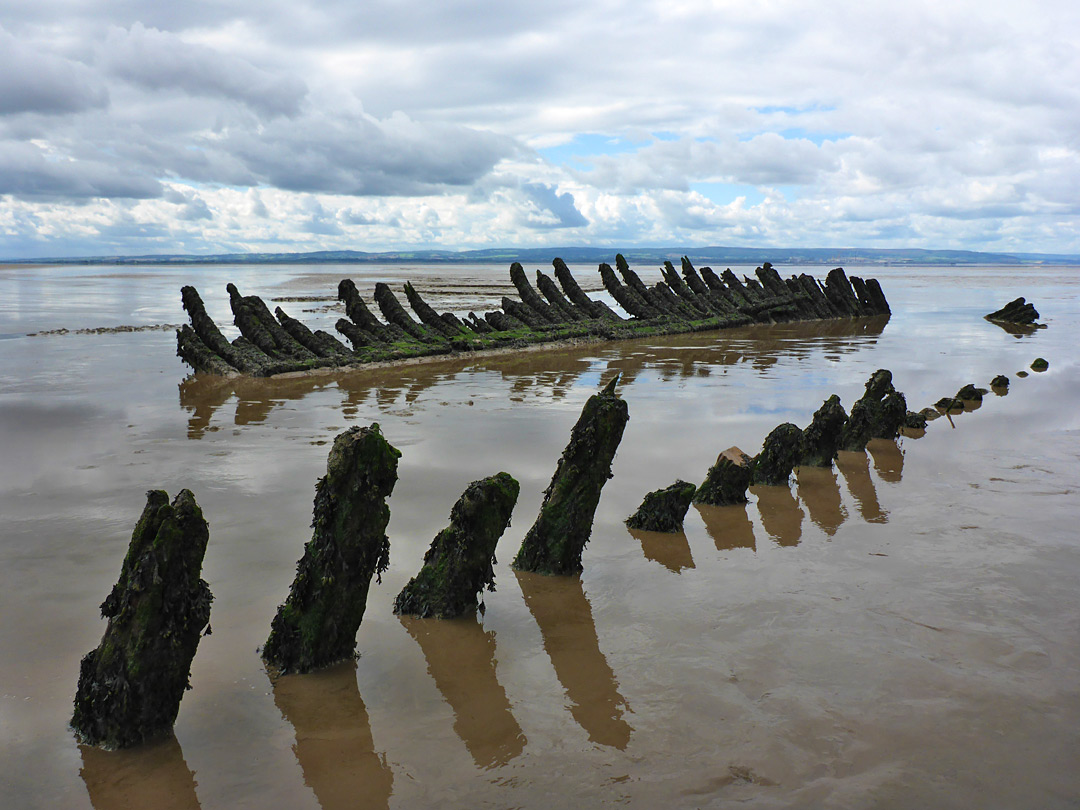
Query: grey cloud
[25, 172]
[159, 60]
[361, 156]
[36, 81]
[560, 205]
[767, 159]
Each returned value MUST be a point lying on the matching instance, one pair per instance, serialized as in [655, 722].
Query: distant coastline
[581, 255]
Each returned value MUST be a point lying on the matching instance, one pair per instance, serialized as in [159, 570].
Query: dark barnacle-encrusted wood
[130, 686]
[696, 301]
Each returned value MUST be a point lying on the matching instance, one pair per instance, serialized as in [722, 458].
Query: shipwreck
[549, 312]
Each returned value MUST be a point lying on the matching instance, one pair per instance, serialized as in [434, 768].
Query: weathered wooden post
[664, 509]
[458, 565]
[130, 686]
[726, 481]
[317, 624]
[556, 540]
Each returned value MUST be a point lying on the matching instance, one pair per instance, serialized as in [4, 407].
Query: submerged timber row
[696, 301]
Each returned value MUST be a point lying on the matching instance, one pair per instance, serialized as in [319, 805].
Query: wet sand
[899, 632]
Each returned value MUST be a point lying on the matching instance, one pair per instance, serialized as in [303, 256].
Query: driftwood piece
[458, 565]
[317, 624]
[130, 686]
[556, 540]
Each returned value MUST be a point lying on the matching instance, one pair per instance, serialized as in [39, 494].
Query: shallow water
[901, 631]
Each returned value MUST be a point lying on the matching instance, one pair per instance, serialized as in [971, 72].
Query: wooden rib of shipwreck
[697, 301]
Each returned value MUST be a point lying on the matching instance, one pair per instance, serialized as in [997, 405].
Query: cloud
[922, 124]
[157, 60]
[26, 171]
[36, 81]
[560, 207]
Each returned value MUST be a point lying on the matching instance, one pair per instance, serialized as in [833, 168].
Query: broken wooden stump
[781, 451]
[556, 540]
[458, 566]
[878, 414]
[130, 686]
[970, 393]
[1017, 311]
[664, 509]
[317, 624]
[821, 439]
[726, 481]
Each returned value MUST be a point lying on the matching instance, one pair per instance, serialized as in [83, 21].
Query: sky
[134, 127]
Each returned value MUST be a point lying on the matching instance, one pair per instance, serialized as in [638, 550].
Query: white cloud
[139, 127]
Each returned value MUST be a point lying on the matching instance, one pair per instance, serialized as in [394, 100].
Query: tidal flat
[900, 631]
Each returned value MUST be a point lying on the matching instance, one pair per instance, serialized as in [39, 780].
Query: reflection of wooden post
[562, 612]
[460, 656]
[888, 459]
[820, 491]
[729, 526]
[670, 549]
[781, 516]
[333, 738]
[154, 775]
[855, 467]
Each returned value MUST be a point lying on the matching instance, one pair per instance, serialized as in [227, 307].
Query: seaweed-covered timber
[557, 539]
[664, 509]
[781, 451]
[269, 345]
[459, 563]
[878, 414]
[726, 482]
[1017, 311]
[130, 686]
[317, 624]
[821, 439]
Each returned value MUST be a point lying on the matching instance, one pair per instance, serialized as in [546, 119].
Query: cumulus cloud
[921, 124]
[33, 80]
[158, 60]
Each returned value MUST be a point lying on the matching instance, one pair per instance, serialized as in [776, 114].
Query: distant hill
[837, 257]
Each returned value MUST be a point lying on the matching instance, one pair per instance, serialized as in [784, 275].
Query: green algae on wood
[726, 482]
[1017, 311]
[317, 624]
[664, 509]
[780, 452]
[821, 438]
[557, 539]
[130, 686]
[878, 414]
[458, 565]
